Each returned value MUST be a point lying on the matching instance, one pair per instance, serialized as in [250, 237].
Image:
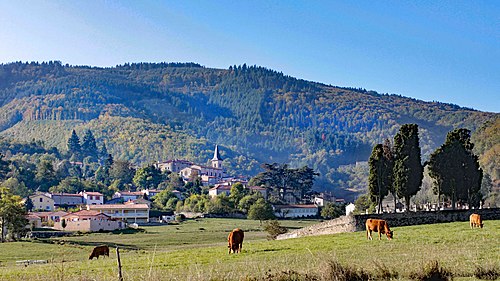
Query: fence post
[120, 277]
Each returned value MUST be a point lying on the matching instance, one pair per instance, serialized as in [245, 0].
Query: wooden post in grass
[120, 277]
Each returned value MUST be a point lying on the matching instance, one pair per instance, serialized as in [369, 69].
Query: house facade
[219, 189]
[89, 221]
[92, 198]
[128, 195]
[174, 166]
[66, 200]
[129, 212]
[295, 211]
[260, 189]
[42, 202]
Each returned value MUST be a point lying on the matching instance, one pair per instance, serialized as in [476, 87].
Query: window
[41, 199]
[98, 198]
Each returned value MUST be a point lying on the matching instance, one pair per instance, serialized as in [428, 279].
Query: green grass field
[197, 250]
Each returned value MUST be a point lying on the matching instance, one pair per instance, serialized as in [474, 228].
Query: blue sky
[447, 51]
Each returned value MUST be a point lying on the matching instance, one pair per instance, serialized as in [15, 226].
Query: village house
[174, 166]
[150, 192]
[188, 170]
[34, 221]
[42, 202]
[129, 212]
[323, 198]
[349, 208]
[92, 198]
[295, 211]
[66, 200]
[48, 217]
[89, 221]
[219, 189]
[260, 189]
[128, 195]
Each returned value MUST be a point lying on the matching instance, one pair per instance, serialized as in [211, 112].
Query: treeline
[396, 167]
[260, 113]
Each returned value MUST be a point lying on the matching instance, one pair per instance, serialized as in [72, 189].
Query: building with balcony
[128, 212]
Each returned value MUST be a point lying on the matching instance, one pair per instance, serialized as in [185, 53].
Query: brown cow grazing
[99, 251]
[475, 221]
[379, 226]
[235, 240]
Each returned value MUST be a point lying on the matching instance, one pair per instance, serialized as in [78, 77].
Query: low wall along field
[357, 222]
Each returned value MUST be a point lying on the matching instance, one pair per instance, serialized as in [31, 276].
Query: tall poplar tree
[408, 168]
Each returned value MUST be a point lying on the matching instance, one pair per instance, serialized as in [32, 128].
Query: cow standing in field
[475, 221]
[99, 251]
[379, 226]
[235, 240]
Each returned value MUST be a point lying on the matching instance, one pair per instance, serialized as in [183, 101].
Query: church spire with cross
[217, 160]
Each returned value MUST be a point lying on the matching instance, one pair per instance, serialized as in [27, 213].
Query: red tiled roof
[256, 188]
[128, 193]
[221, 187]
[296, 206]
[86, 213]
[92, 193]
[66, 194]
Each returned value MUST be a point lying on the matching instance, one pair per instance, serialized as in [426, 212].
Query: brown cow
[99, 251]
[475, 221]
[235, 240]
[379, 226]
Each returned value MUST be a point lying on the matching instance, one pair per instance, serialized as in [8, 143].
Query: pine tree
[74, 147]
[408, 169]
[89, 146]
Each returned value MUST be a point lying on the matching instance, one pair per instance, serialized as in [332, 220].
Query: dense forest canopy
[148, 112]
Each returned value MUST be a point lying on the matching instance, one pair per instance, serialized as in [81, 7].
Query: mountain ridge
[258, 115]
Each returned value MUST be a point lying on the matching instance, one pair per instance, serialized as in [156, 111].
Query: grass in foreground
[188, 252]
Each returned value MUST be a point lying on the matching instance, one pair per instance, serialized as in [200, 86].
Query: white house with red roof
[89, 221]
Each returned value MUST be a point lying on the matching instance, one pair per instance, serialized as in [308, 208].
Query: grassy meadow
[197, 250]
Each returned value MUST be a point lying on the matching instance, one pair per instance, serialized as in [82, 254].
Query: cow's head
[389, 234]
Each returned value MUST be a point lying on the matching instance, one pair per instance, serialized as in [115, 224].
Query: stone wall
[417, 218]
[357, 222]
[339, 225]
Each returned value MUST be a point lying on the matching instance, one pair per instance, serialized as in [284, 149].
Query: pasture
[197, 250]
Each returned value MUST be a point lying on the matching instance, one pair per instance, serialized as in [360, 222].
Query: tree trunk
[394, 195]
[407, 203]
[2, 236]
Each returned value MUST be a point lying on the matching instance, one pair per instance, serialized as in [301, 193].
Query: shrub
[180, 218]
[334, 271]
[486, 273]
[274, 229]
[432, 271]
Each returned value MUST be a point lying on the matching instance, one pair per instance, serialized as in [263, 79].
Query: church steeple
[217, 160]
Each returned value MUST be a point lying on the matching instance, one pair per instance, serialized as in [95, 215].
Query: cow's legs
[369, 234]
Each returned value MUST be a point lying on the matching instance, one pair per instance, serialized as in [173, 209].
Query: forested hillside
[149, 112]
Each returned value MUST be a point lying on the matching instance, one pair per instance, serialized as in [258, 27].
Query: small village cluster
[126, 207]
